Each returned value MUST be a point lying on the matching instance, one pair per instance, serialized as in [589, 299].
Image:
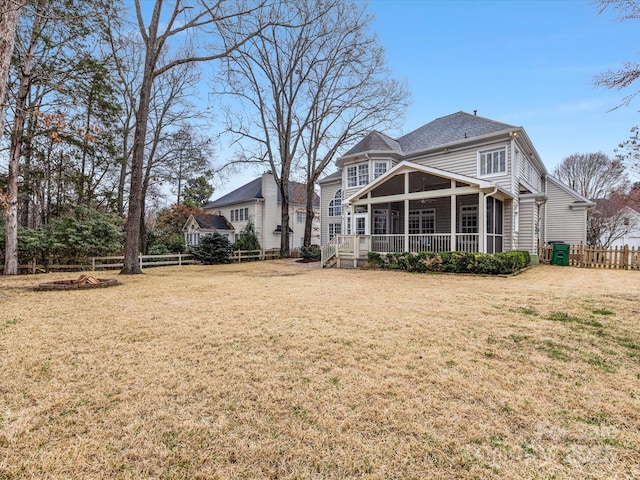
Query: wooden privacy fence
[596, 257]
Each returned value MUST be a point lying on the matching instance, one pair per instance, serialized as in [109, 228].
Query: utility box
[560, 254]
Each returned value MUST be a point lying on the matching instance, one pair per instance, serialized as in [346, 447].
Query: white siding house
[259, 202]
[460, 182]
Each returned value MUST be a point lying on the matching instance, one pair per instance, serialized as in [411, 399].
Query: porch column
[454, 217]
[482, 222]
[406, 213]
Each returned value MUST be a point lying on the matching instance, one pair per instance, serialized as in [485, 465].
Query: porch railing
[344, 244]
[437, 242]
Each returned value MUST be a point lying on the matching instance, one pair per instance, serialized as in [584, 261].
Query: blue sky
[526, 63]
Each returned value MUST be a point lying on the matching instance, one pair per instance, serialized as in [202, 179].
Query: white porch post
[482, 222]
[454, 217]
[406, 213]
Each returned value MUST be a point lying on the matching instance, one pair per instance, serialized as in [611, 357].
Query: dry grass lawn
[276, 370]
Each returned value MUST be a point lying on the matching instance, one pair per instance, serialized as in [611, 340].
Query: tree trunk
[285, 248]
[308, 225]
[17, 133]
[131, 264]
[10, 10]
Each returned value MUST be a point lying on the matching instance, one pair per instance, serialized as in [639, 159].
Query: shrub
[248, 239]
[213, 249]
[452, 262]
[311, 253]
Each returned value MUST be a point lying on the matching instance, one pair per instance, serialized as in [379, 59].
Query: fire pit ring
[81, 283]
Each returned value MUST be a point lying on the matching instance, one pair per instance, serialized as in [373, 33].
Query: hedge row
[453, 262]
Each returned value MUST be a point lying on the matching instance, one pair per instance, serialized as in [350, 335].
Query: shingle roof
[245, 193]
[441, 131]
[333, 177]
[208, 221]
[449, 129]
[375, 141]
[253, 190]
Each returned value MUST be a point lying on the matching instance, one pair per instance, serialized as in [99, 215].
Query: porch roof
[407, 166]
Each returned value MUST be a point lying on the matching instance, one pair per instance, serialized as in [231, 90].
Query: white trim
[491, 151]
[414, 167]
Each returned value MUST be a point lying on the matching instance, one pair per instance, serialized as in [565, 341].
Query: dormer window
[492, 162]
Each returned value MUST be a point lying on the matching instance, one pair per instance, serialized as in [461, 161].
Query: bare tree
[185, 19]
[593, 175]
[350, 91]
[624, 77]
[612, 219]
[305, 91]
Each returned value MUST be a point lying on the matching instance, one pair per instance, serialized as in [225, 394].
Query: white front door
[361, 223]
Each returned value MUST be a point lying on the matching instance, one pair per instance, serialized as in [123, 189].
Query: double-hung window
[352, 176]
[493, 162]
[363, 174]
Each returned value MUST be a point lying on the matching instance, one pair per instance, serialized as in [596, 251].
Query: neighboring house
[461, 182]
[259, 201]
[631, 229]
[201, 225]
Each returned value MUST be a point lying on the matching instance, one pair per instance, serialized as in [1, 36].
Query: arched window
[335, 205]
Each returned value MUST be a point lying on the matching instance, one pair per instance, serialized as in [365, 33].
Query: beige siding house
[199, 226]
[259, 202]
[461, 182]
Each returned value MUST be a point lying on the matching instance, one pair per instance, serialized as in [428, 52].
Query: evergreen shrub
[453, 262]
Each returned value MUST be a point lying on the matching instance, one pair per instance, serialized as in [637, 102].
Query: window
[380, 222]
[422, 221]
[240, 214]
[379, 168]
[335, 205]
[493, 162]
[334, 229]
[469, 219]
[301, 216]
[352, 176]
[363, 174]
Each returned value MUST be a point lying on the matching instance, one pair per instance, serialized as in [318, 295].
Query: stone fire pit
[82, 282]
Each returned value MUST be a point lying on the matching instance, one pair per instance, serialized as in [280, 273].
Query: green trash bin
[560, 254]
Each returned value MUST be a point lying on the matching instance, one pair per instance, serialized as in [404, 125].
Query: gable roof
[208, 221]
[247, 192]
[580, 200]
[407, 165]
[253, 191]
[450, 129]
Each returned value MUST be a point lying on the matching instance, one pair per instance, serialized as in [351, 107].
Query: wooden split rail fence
[58, 264]
[587, 256]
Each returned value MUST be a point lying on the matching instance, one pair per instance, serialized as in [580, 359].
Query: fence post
[33, 265]
[93, 264]
[140, 258]
[625, 259]
[179, 259]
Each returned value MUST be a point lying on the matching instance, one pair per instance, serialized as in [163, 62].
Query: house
[259, 202]
[461, 182]
[201, 225]
[627, 230]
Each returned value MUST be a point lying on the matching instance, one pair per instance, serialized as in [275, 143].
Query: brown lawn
[278, 370]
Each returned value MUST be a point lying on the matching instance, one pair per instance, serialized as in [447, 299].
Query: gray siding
[526, 235]
[327, 192]
[563, 223]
